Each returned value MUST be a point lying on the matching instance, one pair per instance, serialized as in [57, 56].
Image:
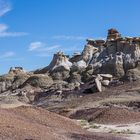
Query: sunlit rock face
[114, 55]
[16, 70]
[59, 67]
[113, 34]
[60, 61]
[88, 53]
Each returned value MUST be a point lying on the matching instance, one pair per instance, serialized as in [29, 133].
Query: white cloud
[65, 37]
[42, 49]
[4, 7]
[7, 54]
[51, 48]
[12, 59]
[5, 33]
[3, 28]
[12, 34]
[35, 46]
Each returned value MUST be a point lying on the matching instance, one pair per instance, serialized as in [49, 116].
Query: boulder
[39, 80]
[75, 77]
[19, 79]
[98, 84]
[105, 82]
[6, 82]
[86, 75]
[109, 76]
[133, 75]
[60, 74]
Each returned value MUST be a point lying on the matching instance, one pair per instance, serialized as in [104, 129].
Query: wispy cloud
[4, 7]
[52, 48]
[5, 33]
[73, 38]
[42, 49]
[10, 56]
[3, 27]
[13, 59]
[49, 51]
[35, 46]
[65, 37]
[13, 34]
[7, 54]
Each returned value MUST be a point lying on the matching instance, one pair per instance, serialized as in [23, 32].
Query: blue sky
[32, 30]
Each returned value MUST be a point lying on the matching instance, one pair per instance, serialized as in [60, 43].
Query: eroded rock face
[59, 67]
[39, 80]
[6, 82]
[16, 70]
[117, 55]
[133, 75]
[19, 79]
[88, 53]
[113, 34]
[60, 62]
[114, 66]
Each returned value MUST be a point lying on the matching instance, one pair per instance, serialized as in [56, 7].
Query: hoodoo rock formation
[59, 67]
[116, 56]
[98, 85]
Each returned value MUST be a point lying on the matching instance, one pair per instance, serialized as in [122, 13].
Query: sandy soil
[107, 115]
[33, 123]
[113, 111]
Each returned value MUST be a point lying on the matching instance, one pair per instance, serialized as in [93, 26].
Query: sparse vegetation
[83, 123]
[127, 131]
[94, 126]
